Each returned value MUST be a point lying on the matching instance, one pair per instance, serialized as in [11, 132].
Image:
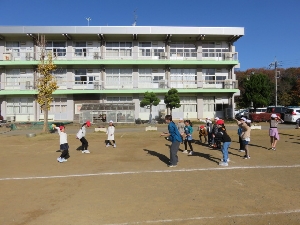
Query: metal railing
[128, 85]
[95, 55]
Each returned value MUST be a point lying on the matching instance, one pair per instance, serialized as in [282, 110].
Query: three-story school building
[104, 71]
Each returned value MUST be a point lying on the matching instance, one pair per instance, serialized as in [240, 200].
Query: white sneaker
[223, 164]
[107, 145]
[228, 160]
[185, 151]
[191, 153]
[64, 160]
[241, 150]
[60, 160]
[86, 151]
[115, 145]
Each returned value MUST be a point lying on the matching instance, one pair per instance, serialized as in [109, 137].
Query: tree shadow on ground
[161, 157]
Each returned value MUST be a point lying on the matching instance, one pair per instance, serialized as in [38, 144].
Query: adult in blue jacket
[175, 137]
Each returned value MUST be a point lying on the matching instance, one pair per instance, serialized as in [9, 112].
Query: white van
[261, 110]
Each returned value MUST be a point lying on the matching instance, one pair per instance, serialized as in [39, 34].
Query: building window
[182, 77]
[58, 48]
[116, 99]
[118, 49]
[151, 75]
[19, 78]
[213, 76]
[80, 49]
[213, 50]
[118, 77]
[145, 49]
[19, 106]
[181, 49]
[208, 104]
[80, 76]
[60, 76]
[188, 104]
[59, 105]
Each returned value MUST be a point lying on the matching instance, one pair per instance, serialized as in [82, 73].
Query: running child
[110, 134]
[81, 136]
[64, 146]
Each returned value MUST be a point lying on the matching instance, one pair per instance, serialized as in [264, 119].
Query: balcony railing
[127, 55]
[128, 85]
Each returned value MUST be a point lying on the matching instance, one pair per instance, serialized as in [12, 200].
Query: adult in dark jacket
[223, 137]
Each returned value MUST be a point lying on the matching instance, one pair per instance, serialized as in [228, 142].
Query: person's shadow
[161, 157]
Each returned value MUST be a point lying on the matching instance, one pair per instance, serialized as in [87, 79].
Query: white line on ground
[123, 134]
[151, 171]
[209, 217]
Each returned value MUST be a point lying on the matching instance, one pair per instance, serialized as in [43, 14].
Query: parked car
[277, 109]
[261, 110]
[292, 115]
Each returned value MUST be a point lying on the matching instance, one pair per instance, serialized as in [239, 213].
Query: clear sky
[272, 27]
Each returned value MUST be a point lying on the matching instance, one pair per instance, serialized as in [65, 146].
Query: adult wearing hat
[273, 131]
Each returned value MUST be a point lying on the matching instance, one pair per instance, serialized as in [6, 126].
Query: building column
[136, 101]
[135, 50]
[69, 54]
[2, 49]
[199, 50]
[135, 76]
[199, 77]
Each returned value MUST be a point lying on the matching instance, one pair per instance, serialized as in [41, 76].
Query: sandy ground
[131, 184]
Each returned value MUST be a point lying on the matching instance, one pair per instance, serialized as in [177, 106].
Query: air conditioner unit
[96, 86]
[163, 54]
[10, 118]
[27, 86]
[228, 55]
[6, 56]
[28, 56]
[162, 84]
[228, 84]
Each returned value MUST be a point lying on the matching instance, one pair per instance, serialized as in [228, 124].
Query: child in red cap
[64, 146]
[203, 133]
[81, 136]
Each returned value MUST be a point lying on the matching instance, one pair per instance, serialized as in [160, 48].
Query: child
[203, 133]
[63, 140]
[188, 130]
[180, 127]
[223, 137]
[208, 123]
[110, 134]
[273, 132]
[239, 132]
[81, 136]
[245, 135]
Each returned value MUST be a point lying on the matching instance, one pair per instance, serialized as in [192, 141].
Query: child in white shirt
[63, 141]
[110, 134]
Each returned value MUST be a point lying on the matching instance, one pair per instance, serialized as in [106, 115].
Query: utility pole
[275, 64]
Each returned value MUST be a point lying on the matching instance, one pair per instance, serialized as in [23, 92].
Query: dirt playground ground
[131, 184]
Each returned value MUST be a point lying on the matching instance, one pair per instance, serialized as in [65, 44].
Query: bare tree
[46, 83]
